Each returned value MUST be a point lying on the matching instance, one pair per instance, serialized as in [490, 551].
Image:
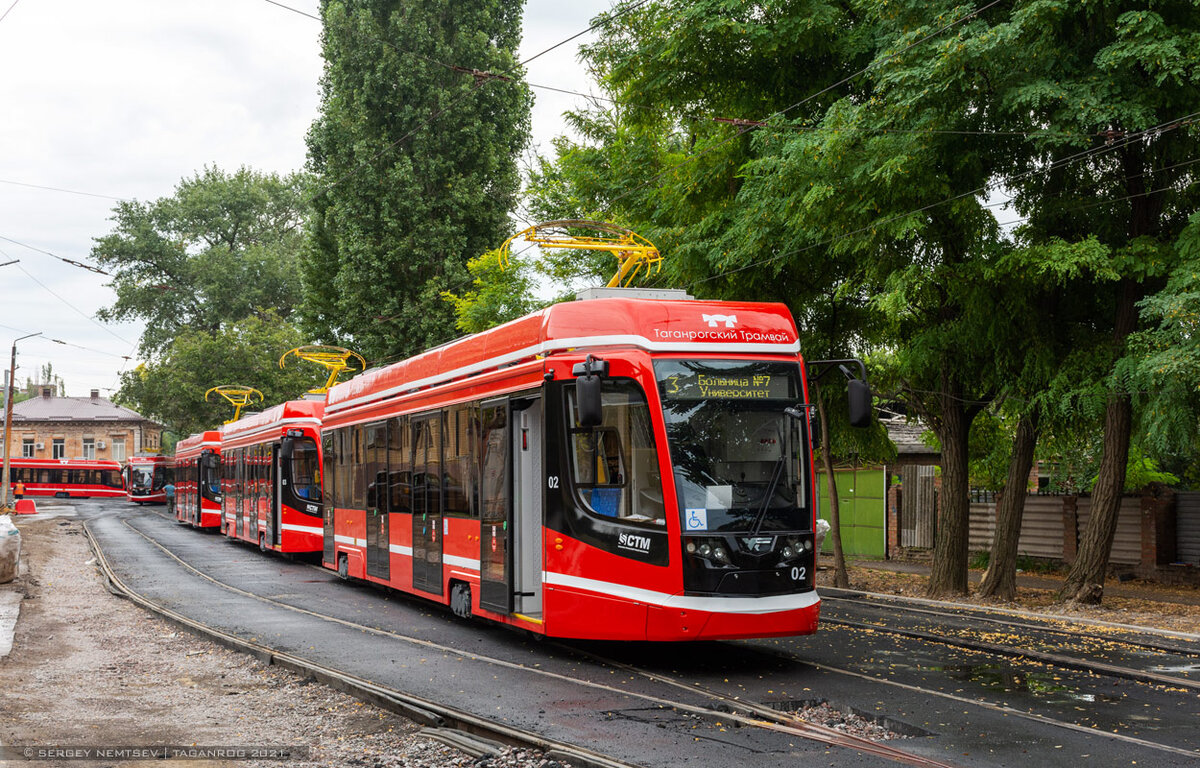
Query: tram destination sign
[703, 385]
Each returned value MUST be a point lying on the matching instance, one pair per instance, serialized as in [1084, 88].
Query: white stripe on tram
[744, 605]
[316, 530]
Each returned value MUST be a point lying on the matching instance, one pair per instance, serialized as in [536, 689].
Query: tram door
[329, 457]
[276, 486]
[527, 495]
[427, 503]
[378, 556]
[495, 554]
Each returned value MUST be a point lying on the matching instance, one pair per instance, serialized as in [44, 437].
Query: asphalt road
[961, 706]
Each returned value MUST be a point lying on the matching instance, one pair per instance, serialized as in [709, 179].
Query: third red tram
[617, 468]
[197, 487]
[271, 477]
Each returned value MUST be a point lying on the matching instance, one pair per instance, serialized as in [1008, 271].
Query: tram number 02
[552, 482]
[799, 573]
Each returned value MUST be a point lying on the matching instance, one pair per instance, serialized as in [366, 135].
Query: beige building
[52, 427]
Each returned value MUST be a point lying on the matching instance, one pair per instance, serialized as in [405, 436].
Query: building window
[59, 448]
[27, 448]
[89, 448]
[118, 449]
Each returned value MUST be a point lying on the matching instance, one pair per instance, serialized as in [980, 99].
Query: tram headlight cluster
[794, 546]
[709, 549]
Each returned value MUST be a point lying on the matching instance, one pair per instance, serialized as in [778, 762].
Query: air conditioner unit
[99, 443]
[41, 446]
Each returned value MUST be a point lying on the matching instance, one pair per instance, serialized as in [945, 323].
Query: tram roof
[689, 326]
[290, 411]
[193, 443]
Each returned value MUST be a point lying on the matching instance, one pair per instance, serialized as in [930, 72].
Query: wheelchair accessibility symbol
[696, 519]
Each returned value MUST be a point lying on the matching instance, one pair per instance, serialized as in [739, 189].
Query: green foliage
[416, 166]
[171, 388]
[222, 248]
[500, 294]
[1140, 472]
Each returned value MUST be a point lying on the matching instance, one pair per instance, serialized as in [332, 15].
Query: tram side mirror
[285, 449]
[859, 396]
[589, 410]
[589, 407]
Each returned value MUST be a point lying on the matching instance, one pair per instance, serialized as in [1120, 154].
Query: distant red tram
[617, 468]
[67, 478]
[146, 478]
[271, 477]
[197, 480]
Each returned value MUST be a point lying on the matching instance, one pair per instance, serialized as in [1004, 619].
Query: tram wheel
[262, 542]
[343, 570]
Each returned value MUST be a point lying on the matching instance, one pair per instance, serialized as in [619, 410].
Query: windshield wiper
[766, 502]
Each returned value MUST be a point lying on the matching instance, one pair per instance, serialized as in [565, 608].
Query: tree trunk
[1085, 580]
[1000, 580]
[841, 578]
[949, 573]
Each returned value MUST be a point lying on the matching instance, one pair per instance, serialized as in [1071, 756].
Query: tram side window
[400, 465]
[357, 469]
[615, 466]
[374, 468]
[329, 471]
[458, 476]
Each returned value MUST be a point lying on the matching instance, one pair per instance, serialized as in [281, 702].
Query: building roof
[907, 436]
[72, 409]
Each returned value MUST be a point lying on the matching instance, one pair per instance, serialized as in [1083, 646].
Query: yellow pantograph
[336, 359]
[632, 251]
[238, 395]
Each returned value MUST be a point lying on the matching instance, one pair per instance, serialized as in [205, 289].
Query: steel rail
[1053, 659]
[738, 710]
[972, 612]
[418, 709]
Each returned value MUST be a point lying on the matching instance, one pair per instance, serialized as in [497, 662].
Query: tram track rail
[1029, 654]
[974, 613]
[734, 710]
[423, 711]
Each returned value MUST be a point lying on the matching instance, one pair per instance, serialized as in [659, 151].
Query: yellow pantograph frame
[336, 359]
[633, 252]
[239, 396]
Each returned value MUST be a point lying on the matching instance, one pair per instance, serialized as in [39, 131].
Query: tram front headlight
[720, 555]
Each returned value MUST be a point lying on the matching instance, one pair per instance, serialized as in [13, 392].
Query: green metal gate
[862, 505]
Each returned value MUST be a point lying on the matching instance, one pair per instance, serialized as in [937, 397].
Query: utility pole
[5, 501]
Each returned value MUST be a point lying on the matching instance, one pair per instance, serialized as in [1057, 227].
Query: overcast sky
[123, 98]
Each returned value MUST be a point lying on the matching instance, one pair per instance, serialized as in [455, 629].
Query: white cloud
[126, 97]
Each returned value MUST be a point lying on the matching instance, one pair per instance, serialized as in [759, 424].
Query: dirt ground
[91, 669]
[1139, 603]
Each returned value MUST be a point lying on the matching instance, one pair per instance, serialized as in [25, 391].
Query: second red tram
[197, 480]
[146, 478]
[271, 477]
[616, 468]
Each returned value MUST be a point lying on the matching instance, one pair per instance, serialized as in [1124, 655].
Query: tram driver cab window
[614, 467]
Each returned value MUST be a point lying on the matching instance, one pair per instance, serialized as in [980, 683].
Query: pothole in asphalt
[849, 720]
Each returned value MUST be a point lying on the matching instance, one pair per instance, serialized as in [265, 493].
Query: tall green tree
[416, 159]
[223, 247]
[170, 388]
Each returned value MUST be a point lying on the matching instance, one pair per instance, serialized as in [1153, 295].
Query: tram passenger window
[615, 466]
[400, 465]
[458, 477]
[329, 470]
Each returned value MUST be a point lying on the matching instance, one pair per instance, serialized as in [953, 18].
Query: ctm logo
[712, 320]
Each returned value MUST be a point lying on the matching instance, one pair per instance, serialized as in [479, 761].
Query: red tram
[197, 476]
[67, 478]
[146, 478]
[271, 477]
[616, 468]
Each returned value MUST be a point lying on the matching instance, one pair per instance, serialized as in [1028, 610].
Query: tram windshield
[306, 469]
[144, 478]
[740, 462]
